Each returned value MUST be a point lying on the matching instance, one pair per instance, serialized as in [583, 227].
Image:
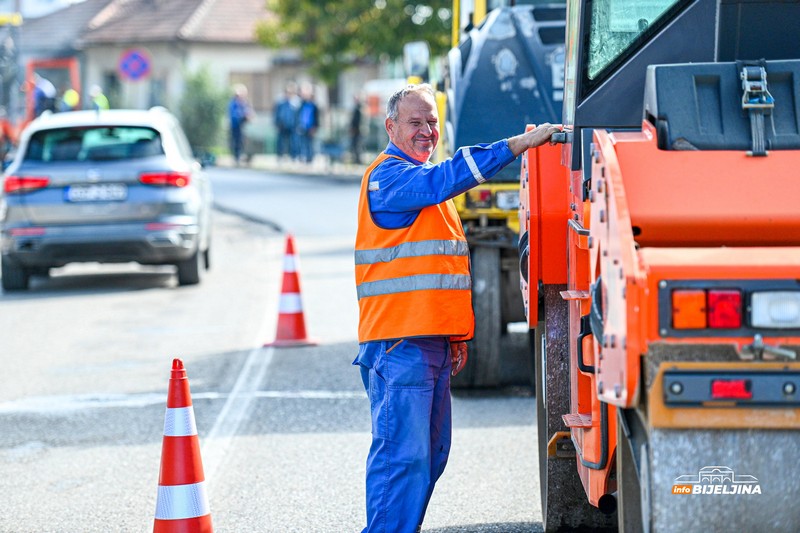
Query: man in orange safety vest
[414, 294]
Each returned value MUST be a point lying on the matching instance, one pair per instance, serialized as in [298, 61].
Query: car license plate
[508, 200]
[97, 192]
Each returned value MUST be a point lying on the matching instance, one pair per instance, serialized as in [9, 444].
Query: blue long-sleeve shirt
[399, 189]
[237, 112]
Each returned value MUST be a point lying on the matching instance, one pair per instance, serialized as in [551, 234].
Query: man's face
[416, 130]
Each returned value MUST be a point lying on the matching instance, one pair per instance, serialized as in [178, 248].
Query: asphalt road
[284, 432]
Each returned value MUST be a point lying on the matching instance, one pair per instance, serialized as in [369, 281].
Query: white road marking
[63, 404]
[218, 440]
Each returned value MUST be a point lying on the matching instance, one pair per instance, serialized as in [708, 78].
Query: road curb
[320, 167]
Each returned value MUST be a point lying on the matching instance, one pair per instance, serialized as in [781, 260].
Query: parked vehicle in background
[509, 57]
[111, 186]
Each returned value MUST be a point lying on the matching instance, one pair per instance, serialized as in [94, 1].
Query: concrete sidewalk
[321, 166]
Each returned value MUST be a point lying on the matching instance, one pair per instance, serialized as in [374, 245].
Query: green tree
[202, 110]
[332, 35]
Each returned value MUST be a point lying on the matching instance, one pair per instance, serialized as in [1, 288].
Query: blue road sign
[134, 64]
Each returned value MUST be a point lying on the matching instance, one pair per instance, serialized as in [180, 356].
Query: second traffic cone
[182, 503]
[291, 323]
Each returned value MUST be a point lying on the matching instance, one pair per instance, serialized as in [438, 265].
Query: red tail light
[22, 184]
[481, 198]
[165, 179]
[731, 389]
[160, 226]
[724, 308]
[27, 232]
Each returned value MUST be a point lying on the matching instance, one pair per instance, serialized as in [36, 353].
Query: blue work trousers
[408, 383]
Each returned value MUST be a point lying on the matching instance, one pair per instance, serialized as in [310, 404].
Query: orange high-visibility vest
[412, 281]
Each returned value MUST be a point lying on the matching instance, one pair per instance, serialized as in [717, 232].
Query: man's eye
[433, 124]
[415, 123]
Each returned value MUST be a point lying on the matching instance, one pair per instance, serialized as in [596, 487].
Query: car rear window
[106, 143]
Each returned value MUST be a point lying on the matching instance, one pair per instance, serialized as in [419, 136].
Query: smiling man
[415, 300]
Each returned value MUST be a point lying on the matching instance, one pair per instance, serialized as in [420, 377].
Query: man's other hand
[458, 356]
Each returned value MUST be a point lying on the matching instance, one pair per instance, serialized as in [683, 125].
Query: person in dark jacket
[355, 131]
[238, 114]
[307, 123]
[286, 117]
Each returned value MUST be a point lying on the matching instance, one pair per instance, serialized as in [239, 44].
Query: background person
[286, 112]
[8, 136]
[44, 95]
[238, 114]
[355, 131]
[99, 100]
[70, 100]
[415, 300]
[307, 123]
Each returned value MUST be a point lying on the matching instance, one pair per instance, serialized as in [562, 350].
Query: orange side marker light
[689, 309]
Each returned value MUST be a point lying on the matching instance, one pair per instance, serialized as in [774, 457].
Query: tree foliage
[332, 35]
[201, 110]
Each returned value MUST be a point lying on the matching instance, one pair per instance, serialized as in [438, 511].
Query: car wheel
[41, 271]
[189, 270]
[207, 257]
[15, 278]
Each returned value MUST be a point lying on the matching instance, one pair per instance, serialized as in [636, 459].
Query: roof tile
[126, 21]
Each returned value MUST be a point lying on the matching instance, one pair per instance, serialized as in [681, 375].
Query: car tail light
[165, 179]
[775, 309]
[27, 232]
[161, 226]
[689, 309]
[731, 389]
[724, 309]
[23, 184]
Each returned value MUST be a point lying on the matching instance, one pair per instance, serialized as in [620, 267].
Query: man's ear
[389, 125]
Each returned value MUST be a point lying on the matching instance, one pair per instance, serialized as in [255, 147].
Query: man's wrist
[518, 144]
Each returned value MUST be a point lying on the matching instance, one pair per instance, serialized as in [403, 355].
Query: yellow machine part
[467, 202]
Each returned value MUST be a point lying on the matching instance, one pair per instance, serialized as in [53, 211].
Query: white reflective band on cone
[290, 303]
[289, 264]
[179, 422]
[182, 501]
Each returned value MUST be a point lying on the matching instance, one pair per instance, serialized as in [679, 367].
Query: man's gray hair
[394, 101]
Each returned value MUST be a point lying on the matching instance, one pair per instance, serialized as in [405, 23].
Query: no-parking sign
[134, 64]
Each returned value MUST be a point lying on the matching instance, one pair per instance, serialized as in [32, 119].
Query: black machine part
[703, 106]
[721, 30]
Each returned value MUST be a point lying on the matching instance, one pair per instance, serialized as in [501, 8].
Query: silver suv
[110, 187]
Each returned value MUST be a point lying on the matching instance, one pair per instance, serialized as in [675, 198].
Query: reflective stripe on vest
[411, 249]
[419, 282]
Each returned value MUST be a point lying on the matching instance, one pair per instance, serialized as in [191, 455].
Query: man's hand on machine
[458, 356]
[538, 136]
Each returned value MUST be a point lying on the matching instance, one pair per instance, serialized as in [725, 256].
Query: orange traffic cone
[182, 504]
[291, 324]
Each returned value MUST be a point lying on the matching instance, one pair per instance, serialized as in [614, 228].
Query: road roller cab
[661, 269]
